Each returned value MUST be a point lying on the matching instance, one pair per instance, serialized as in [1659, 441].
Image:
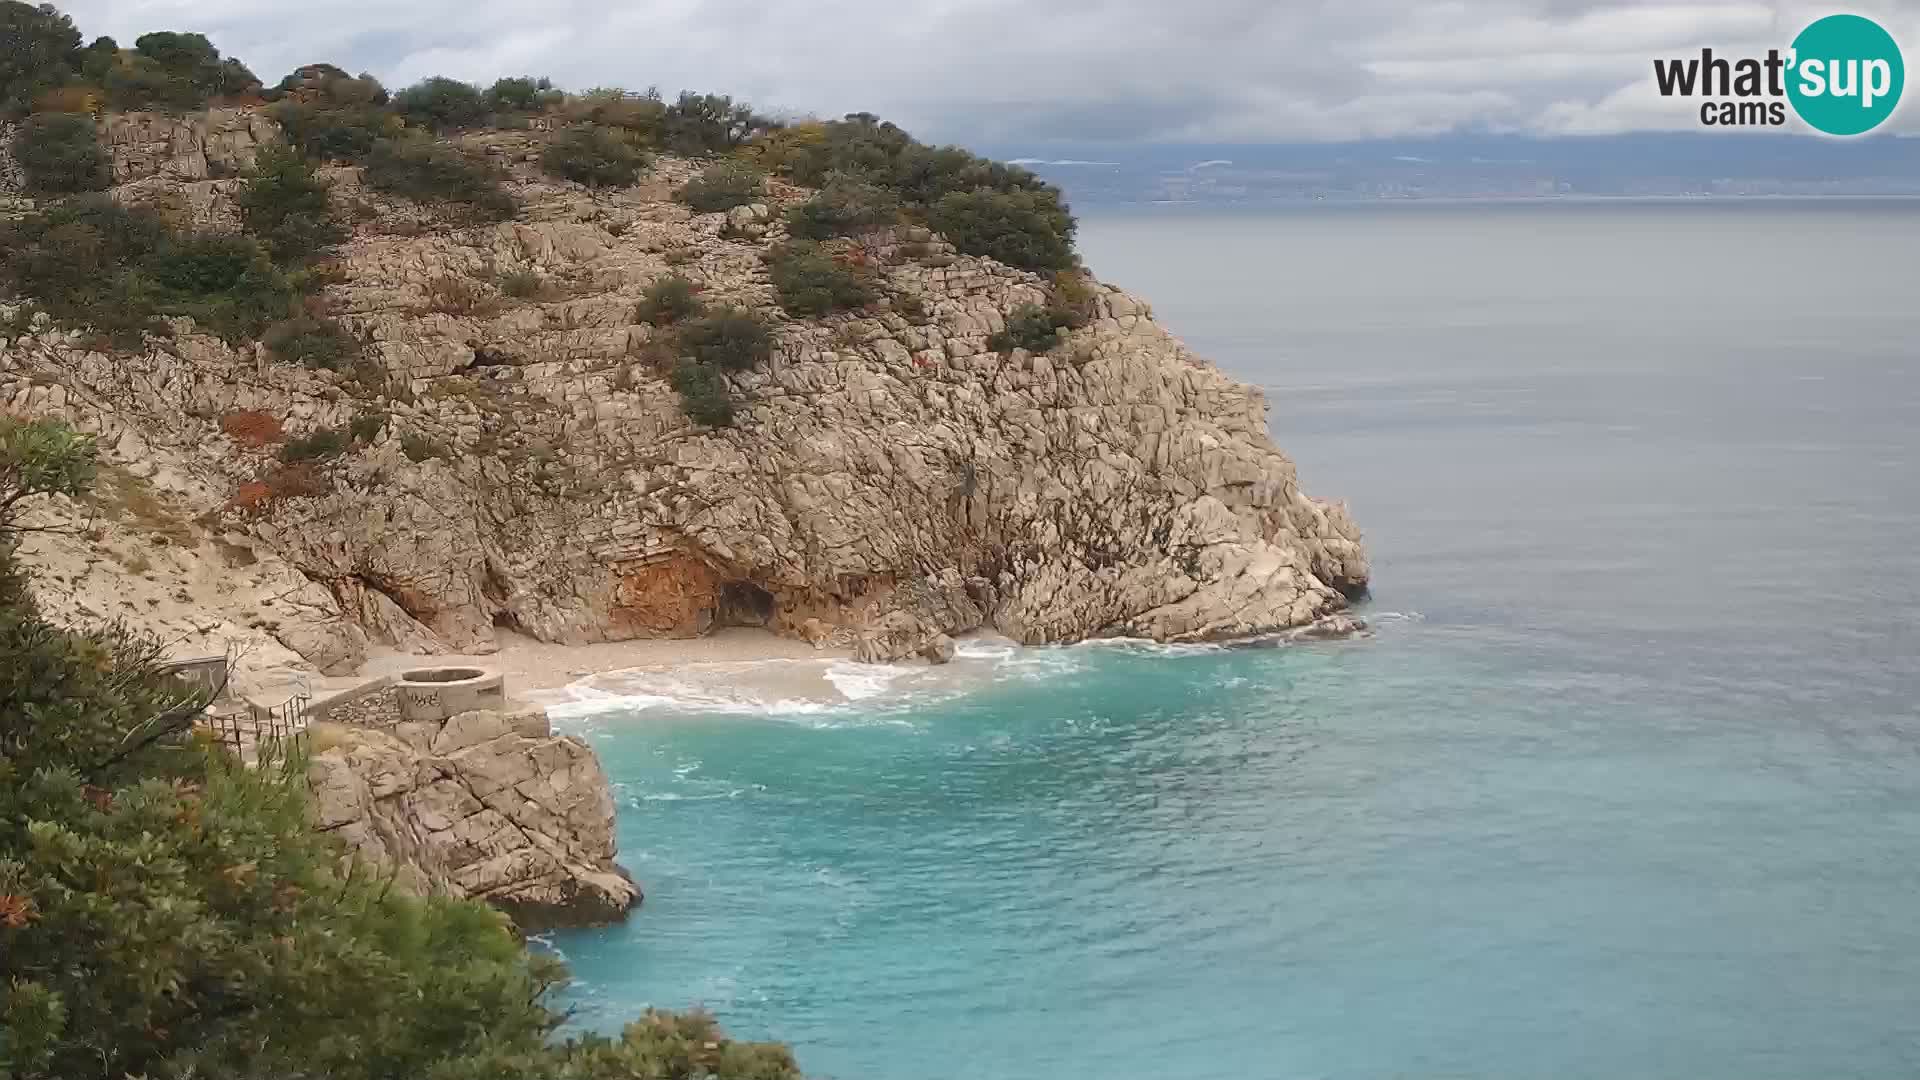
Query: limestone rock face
[195, 146]
[889, 478]
[483, 805]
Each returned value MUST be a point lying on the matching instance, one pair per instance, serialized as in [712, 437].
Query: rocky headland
[890, 479]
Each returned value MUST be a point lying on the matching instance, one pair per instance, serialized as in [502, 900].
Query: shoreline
[531, 665]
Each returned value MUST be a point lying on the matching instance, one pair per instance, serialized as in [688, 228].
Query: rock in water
[483, 805]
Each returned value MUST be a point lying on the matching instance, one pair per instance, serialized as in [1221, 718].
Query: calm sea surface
[1626, 785]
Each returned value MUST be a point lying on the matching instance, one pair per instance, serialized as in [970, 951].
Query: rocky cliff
[889, 479]
[483, 806]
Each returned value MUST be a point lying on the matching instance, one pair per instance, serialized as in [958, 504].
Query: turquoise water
[1626, 784]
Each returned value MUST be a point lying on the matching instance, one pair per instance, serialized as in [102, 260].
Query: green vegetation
[700, 125]
[522, 94]
[345, 132]
[844, 205]
[723, 186]
[1028, 229]
[420, 448]
[60, 154]
[441, 104]
[433, 172]
[285, 206]
[319, 445]
[1030, 327]
[91, 263]
[811, 281]
[984, 207]
[704, 395]
[313, 341]
[521, 284]
[668, 300]
[166, 911]
[594, 156]
[731, 339]
[39, 51]
[367, 426]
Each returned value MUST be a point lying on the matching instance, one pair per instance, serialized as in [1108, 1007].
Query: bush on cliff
[60, 154]
[1030, 327]
[699, 125]
[810, 281]
[845, 205]
[441, 104]
[704, 394]
[286, 207]
[174, 71]
[432, 172]
[343, 132]
[731, 339]
[985, 207]
[723, 186]
[594, 156]
[522, 94]
[166, 911]
[78, 262]
[314, 341]
[1028, 229]
[668, 300]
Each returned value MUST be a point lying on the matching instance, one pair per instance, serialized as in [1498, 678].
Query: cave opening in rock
[742, 603]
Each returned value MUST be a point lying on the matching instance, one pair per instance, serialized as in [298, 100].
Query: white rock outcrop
[484, 805]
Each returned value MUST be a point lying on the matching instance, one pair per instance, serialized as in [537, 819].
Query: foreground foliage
[167, 912]
[60, 154]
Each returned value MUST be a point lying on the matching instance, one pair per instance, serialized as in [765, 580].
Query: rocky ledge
[484, 805]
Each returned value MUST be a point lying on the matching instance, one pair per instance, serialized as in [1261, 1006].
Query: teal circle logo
[1845, 75]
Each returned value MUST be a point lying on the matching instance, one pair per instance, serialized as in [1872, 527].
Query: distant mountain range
[1480, 166]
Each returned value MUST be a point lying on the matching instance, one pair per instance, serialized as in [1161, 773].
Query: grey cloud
[1008, 71]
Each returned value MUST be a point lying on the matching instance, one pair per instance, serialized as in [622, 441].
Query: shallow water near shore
[1626, 783]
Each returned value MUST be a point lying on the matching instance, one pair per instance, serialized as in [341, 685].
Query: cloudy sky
[1009, 71]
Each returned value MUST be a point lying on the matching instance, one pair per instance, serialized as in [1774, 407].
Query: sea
[1625, 783]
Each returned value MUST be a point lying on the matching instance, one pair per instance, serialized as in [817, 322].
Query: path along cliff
[889, 478]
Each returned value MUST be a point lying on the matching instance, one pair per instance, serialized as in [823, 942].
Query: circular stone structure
[434, 694]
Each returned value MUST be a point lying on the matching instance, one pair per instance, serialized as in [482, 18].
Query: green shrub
[810, 281]
[846, 205]
[704, 395]
[521, 284]
[639, 114]
[441, 104]
[985, 207]
[522, 94]
[366, 427]
[723, 186]
[731, 339]
[668, 300]
[313, 341]
[431, 172]
[286, 207]
[420, 448]
[60, 154]
[593, 156]
[78, 261]
[322, 443]
[174, 71]
[340, 133]
[39, 51]
[1030, 327]
[1028, 229]
[224, 282]
[699, 125]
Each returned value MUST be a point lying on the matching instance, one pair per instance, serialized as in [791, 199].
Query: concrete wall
[428, 694]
